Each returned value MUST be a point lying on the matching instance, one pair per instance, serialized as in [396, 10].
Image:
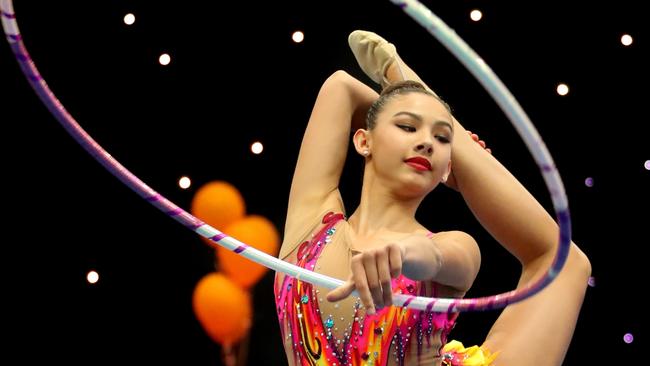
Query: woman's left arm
[450, 258]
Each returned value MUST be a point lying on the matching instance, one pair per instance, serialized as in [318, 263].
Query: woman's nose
[424, 148]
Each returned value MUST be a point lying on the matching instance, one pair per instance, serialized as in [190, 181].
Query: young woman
[410, 143]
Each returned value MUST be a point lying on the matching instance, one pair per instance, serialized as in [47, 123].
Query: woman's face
[411, 143]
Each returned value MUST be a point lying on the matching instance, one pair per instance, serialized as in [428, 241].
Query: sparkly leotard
[316, 332]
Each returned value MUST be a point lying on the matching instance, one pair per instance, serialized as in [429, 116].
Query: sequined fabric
[317, 333]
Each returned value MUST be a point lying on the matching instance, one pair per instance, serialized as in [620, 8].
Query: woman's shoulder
[451, 234]
[300, 228]
[460, 240]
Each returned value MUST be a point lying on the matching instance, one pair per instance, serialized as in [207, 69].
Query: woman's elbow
[579, 262]
[340, 76]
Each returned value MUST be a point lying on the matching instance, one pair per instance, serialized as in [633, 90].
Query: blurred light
[164, 59]
[184, 182]
[647, 165]
[592, 281]
[562, 89]
[257, 147]
[92, 277]
[626, 39]
[628, 338]
[475, 15]
[589, 182]
[298, 36]
[129, 19]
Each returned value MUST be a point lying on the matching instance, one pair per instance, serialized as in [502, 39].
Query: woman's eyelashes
[440, 137]
[407, 128]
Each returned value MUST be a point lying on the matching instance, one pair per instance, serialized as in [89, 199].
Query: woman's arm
[538, 330]
[451, 259]
[542, 325]
[455, 257]
[340, 106]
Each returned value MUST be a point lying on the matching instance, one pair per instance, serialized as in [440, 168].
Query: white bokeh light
[257, 147]
[92, 277]
[589, 182]
[647, 165]
[628, 338]
[184, 182]
[562, 89]
[475, 15]
[129, 19]
[626, 39]
[164, 59]
[298, 36]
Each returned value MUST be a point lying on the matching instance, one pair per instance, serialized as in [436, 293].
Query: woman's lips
[419, 163]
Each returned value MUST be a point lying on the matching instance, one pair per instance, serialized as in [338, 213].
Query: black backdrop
[236, 77]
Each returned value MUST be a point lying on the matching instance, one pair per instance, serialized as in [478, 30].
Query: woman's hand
[451, 180]
[480, 142]
[371, 275]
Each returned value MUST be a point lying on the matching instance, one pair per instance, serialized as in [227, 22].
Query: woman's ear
[361, 140]
[447, 173]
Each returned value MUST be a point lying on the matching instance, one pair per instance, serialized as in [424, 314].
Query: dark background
[236, 77]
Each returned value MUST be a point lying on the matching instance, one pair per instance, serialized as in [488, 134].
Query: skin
[383, 230]
[537, 331]
[411, 125]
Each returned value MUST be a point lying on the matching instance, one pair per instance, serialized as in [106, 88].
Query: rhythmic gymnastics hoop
[456, 46]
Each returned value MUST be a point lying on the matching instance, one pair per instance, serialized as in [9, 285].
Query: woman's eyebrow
[419, 118]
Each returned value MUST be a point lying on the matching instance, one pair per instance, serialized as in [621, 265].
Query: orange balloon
[255, 231]
[222, 308]
[218, 204]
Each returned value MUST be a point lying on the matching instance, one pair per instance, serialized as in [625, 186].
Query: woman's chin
[415, 188]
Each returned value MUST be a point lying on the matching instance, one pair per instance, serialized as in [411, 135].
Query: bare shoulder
[461, 259]
[460, 240]
[455, 235]
[302, 220]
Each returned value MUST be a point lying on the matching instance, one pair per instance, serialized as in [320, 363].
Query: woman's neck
[381, 211]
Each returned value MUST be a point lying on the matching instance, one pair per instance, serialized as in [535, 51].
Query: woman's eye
[407, 128]
[442, 138]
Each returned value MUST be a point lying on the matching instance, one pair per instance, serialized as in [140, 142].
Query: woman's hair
[395, 89]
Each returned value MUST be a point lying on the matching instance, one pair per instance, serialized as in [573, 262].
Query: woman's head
[407, 143]
[393, 90]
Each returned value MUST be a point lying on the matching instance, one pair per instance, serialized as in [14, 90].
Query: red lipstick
[419, 163]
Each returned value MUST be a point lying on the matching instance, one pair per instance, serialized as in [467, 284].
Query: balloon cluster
[222, 299]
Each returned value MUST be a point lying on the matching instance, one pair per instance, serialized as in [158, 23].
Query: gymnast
[410, 143]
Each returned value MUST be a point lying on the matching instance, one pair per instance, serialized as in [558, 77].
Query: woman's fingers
[371, 278]
[341, 292]
[480, 142]
[383, 270]
[360, 279]
[395, 259]
[371, 260]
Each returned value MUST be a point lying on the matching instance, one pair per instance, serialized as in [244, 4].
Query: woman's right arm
[341, 105]
[538, 330]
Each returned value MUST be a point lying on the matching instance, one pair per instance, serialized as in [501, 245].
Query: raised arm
[341, 105]
[542, 325]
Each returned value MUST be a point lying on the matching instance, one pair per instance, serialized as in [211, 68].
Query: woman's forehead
[420, 104]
